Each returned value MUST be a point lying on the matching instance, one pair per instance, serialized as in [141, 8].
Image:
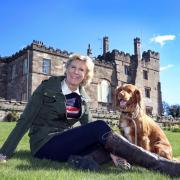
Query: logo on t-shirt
[73, 105]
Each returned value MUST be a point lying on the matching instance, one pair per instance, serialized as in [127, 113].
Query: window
[145, 74]
[14, 71]
[127, 70]
[25, 66]
[147, 92]
[104, 92]
[23, 97]
[46, 66]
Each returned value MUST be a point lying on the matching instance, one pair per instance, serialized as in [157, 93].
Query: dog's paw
[120, 162]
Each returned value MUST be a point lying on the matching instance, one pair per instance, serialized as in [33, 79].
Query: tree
[165, 108]
[174, 110]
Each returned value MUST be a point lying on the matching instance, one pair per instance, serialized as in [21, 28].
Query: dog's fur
[150, 136]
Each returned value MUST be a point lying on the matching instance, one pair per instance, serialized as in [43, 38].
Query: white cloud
[166, 67]
[162, 39]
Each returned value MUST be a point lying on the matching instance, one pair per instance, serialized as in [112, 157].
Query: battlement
[103, 63]
[2, 60]
[150, 54]
[39, 45]
[14, 56]
[120, 54]
[36, 45]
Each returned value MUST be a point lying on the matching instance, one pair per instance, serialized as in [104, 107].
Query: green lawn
[23, 166]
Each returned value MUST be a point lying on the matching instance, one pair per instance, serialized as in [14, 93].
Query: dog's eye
[129, 91]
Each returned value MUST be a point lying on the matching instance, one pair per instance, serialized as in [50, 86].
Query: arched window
[104, 92]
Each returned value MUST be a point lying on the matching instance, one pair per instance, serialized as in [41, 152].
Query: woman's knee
[100, 124]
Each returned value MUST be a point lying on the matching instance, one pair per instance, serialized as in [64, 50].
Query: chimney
[89, 51]
[105, 45]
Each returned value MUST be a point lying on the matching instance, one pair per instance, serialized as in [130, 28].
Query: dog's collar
[127, 113]
[130, 115]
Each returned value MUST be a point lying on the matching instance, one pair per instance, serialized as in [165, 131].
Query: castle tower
[137, 47]
[89, 51]
[138, 64]
[105, 45]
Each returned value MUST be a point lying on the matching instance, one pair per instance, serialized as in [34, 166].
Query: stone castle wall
[3, 76]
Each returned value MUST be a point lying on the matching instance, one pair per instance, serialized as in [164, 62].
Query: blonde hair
[89, 63]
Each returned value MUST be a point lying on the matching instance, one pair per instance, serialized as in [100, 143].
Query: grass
[23, 166]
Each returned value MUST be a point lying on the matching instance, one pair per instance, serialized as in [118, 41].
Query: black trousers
[81, 140]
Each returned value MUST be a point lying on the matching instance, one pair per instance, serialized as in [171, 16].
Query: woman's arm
[87, 117]
[23, 124]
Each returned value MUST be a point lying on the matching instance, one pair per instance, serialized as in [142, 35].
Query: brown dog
[136, 126]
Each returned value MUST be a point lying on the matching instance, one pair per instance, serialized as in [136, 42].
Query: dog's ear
[138, 97]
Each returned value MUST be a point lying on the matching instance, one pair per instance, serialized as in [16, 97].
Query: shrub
[175, 128]
[11, 116]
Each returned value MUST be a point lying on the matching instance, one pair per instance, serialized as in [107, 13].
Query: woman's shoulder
[53, 82]
[53, 79]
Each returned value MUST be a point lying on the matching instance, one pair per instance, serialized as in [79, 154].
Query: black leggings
[77, 141]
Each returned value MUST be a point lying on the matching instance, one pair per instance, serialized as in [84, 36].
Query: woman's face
[76, 73]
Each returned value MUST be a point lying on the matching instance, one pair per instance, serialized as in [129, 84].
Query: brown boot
[120, 146]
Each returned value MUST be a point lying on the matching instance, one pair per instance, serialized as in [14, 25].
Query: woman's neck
[71, 87]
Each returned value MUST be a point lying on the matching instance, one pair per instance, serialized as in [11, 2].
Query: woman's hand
[2, 158]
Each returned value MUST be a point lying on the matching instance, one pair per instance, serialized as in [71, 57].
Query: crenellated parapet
[3, 59]
[100, 61]
[39, 46]
[120, 55]
[150, 55]
[103, 63]
[16, 55]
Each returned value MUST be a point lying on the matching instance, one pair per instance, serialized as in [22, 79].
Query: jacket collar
[82, 91]
[66, 90]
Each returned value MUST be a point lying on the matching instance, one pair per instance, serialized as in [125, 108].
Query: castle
[22, 72]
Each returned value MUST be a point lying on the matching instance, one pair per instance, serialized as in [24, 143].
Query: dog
[136, 126]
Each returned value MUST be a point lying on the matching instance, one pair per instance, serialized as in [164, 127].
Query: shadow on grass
[31, 163]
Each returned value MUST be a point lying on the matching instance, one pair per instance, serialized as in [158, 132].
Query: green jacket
[44, 117]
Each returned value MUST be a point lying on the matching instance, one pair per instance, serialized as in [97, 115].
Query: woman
[55, 106]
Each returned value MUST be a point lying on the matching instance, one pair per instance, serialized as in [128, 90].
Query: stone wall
[3, 76]
[7, 107]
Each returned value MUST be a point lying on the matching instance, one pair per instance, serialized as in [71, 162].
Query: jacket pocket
[53, 105]
[49, 97]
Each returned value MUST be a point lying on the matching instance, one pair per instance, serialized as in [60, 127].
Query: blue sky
[72, 24]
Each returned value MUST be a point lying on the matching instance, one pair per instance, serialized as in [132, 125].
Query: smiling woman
[87, 67]
[78, 71]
